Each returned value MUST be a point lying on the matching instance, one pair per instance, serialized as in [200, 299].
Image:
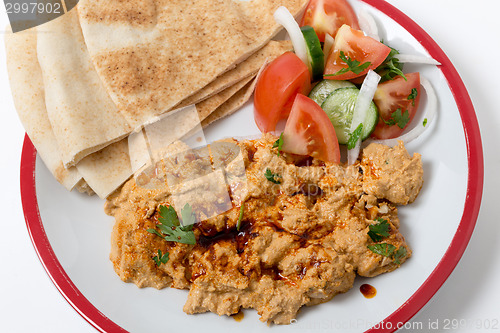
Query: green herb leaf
[380, 230]
[398, 118]
[424, 123]
[168, 216]
[383, 249]
[391, 67]
[352, 65]
[413, 95]
[188, 218]
[279, 143]
[354, 137]
[240, 217]
[170, 228]
[399, 254]
[161, 258]
[273, 177]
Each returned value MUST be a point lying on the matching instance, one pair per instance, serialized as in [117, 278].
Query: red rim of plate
[406, 311]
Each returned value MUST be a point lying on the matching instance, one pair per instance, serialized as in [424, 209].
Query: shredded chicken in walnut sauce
[301, 240]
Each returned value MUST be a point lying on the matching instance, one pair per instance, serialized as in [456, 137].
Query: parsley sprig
[411, 97]
[398, 118]
[391, 67]
[380, 230]
[161, 258]
[170, 227]
[279, 143]
[353, 65]
[273, 177]
[384, 249]
[354, 137]
[389, 251]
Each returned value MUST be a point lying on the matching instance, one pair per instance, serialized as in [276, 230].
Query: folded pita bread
[231, 105]
[27, 88]
[106, 170]
[84, 118]
[243, 70]
[152, 54]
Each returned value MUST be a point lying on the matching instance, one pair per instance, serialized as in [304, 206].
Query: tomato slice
[394, 95]
[276, 88]
[355, 46]
[309, 131]
[327, 16]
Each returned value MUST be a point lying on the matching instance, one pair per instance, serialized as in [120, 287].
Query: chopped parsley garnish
[355, 136]
[389, 251]
[279, 144]
[413, 95]
[424, 123]
[383, 249]
[273, 177]
[399, 254]
[380, 230]
[161, 258]
[170, 227]
[240, 217]
[352, 65]
[398, 118]
[391, 67]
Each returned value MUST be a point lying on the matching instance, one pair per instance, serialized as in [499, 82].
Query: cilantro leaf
[391, 67]
[399, 254]
[170, 228]
[383, 249]
[413, 95]
[352, 65]
[424, 123]
[240, 217]
[161, 258]
[168, 216]
[188, 218]
[279, 143]
[273, 177]
[398, 118]
[380, 230]
[355, 136]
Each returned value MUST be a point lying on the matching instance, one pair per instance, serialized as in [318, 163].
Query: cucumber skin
[325, 87]
[314, 48]
[340, 128]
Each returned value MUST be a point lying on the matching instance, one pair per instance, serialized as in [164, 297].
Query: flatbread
[208, 106]
[105, 170]
[231, 105]
[243, 70]
[83, 116]
[152, 54]
[27, 88]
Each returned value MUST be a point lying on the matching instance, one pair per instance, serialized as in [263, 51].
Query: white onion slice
[430, 114]
[416, 59]
[368, 25]
[285, 18]
[329, 41]
[365, 97]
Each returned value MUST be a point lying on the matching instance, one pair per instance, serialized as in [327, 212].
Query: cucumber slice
[339, 106]
[314, 52]
[325, 88]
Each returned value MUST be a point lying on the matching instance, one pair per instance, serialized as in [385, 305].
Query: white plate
[71, 233]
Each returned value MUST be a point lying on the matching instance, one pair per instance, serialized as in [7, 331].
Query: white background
[468, 32]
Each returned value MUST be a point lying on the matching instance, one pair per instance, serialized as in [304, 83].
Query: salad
[340, 86]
